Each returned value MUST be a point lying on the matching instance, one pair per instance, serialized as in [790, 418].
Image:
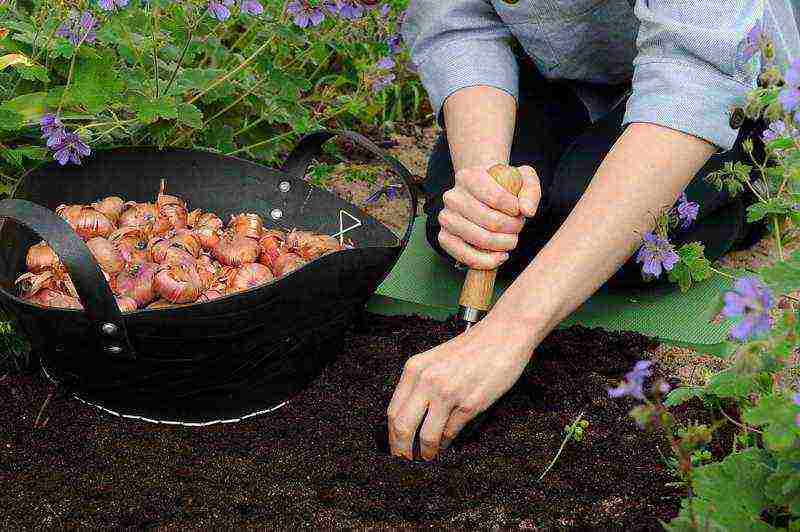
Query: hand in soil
[452, 383]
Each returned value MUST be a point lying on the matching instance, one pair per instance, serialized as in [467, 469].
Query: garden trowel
[476, 295]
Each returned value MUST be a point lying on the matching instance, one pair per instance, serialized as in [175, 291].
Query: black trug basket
[219, 361]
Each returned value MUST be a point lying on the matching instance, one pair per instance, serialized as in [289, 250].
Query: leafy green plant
[239, 77]
[757, 485]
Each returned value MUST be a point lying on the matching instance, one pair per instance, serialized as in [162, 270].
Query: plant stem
[251, 126]
[153, 30]
[263, 142]
[69, 75]
[777, 231]
[227, 76]
[183, 52]
[561, 449]
[720, 272]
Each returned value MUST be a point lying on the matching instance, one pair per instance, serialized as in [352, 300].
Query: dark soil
[315, 462]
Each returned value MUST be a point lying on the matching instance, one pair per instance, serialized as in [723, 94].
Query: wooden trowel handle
[476, 295]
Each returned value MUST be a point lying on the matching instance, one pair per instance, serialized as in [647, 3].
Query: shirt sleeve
[690, 70]
[456, 44]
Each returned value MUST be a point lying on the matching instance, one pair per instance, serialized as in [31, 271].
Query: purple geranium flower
[70, 149]
[305, 14]
[752, 42]
[655, 253]
[790, 94]
[251, 7]
[385, 63]
[112, 5]
[219, 9]
[385, 9]
[750, 300]
[687, 211]
[390, 191]
[776, 129]
[395, 43]
[79, 28]
[382, 82]
[634, 380]
[52, 128]
[349, 9]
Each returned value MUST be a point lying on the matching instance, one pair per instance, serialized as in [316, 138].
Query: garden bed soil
[316, 462]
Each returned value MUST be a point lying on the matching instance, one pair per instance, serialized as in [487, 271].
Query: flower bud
[768, 50]
[747, 146]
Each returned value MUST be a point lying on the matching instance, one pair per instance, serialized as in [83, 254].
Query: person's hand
[481, 221]
[453, 383]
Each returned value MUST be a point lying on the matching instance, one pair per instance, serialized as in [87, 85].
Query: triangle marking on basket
[342, 230]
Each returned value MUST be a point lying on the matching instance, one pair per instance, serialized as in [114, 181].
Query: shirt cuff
[468, 64]
[687, 98]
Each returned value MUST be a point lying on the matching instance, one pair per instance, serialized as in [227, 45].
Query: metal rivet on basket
[276, 214]
[284, 186]
[109, 329]
[113, 349]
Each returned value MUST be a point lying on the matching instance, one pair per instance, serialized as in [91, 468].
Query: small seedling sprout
[574, 430]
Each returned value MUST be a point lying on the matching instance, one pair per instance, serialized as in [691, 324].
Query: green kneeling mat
[423, 283]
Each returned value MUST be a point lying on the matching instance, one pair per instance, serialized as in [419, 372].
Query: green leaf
[730, 384]
[781, 143]
[95, 84]
[729, 495]
[10, 120]
[776, 415]
[692, 267]
[63, 48]
[34, 72]
[783, 487]
[190, 115]
[150, 110]
[31, 106]
[775, 206]
[783, 277]
[17, 156]
[683, 394]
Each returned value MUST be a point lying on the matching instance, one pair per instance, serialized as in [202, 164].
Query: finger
[464, 203]
[460, 416]
[404, 426]
[457, 225]
[402, 391]
[531, 192]
[468, 255]
[430, 435]
[486, 190]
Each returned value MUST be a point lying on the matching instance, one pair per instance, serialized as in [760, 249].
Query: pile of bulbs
[157, 255]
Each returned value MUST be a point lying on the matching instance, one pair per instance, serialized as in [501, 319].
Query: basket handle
[95, 294]
[296, 164]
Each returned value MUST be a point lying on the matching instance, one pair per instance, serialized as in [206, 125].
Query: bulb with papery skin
[41, 257]
[236, 250]
[111, 206]
[287, 263]
[86, 221]
[107, 255]
[137, 282]
[126, 304]
[248, 224]
[188, 240]
[271, 247]
[52, 298]
[249, 276]
[179, 284]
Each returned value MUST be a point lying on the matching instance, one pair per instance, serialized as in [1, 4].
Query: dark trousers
[555, 136]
